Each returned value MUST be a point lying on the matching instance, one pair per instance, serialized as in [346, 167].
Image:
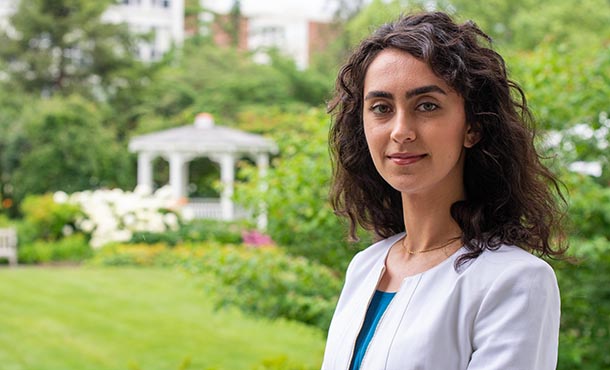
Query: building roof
[203, 137]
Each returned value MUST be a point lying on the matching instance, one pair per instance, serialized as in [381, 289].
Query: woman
[433, 153]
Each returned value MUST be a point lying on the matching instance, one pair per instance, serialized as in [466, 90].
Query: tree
[61, 144]
[63, 47]
[512, 24]
[11, 104]
[223, 81]
[567, 90]
[523, 24]
[374, 15]
[584, 341]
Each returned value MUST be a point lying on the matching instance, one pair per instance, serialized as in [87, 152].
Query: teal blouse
[379, 303]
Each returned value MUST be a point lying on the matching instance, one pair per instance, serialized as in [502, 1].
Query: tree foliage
[584, 340]
[223, 81]
[62, 144]
[524, 24]
[374, 15]
[563, 86]
[64, 47]
[568, 92]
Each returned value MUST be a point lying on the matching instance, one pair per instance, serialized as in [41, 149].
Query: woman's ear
[473, 136]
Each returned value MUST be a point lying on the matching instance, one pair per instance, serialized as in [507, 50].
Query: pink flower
[255, 238]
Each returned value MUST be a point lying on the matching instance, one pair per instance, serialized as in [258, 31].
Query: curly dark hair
[511, 197]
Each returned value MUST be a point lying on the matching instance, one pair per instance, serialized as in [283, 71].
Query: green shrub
[145, 255]
[44, 219]
[5, 221]
[194, 231]
[267, 282]
[585, 299]
[223, 232]
[170, 237]
[74, 248]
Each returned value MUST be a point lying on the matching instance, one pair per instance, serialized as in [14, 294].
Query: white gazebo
[181, 145]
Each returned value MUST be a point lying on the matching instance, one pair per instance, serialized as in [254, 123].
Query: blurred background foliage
[66, 119]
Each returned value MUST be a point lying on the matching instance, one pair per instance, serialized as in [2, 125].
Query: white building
[290, 35]
[165, 18]
[296, 29]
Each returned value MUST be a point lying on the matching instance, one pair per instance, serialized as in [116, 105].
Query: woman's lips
[405, 158]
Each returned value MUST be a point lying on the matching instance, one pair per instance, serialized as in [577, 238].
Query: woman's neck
[428, 220]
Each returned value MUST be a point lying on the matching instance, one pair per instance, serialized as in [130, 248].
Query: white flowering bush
[113, 215]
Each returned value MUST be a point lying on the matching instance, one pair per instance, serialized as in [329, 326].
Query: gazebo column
[227, 177]
[262, 162]
[177, 163]
[145, 173]
[185, 178]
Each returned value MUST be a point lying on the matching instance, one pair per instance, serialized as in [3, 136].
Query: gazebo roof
[203, 137]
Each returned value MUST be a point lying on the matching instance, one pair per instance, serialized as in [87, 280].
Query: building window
[271, 35]
[155, 54]
[162, 3]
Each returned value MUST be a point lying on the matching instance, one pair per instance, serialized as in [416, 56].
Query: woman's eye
[380, 109]
[427, 107]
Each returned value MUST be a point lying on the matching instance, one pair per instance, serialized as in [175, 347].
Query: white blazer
[500, 311]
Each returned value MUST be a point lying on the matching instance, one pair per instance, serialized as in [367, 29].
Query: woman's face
[415, 126]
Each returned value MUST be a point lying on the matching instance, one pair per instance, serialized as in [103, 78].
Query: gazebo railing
[210, 208]
[204, 208]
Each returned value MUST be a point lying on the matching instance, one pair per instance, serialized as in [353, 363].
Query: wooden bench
[8, 245]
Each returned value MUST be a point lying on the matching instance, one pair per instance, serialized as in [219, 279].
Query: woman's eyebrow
[378, 94]
[424, 90]
[411, 93]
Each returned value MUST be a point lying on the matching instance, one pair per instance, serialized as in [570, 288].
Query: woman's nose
[402, 129]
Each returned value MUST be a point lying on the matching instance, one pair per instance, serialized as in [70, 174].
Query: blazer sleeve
[517, 324]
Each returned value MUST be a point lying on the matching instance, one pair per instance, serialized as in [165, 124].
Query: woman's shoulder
[509, 264]
[511, 257]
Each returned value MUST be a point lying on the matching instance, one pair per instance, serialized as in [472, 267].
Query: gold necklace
[411, 251]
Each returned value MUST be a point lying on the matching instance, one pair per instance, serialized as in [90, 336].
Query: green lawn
[81, 318]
